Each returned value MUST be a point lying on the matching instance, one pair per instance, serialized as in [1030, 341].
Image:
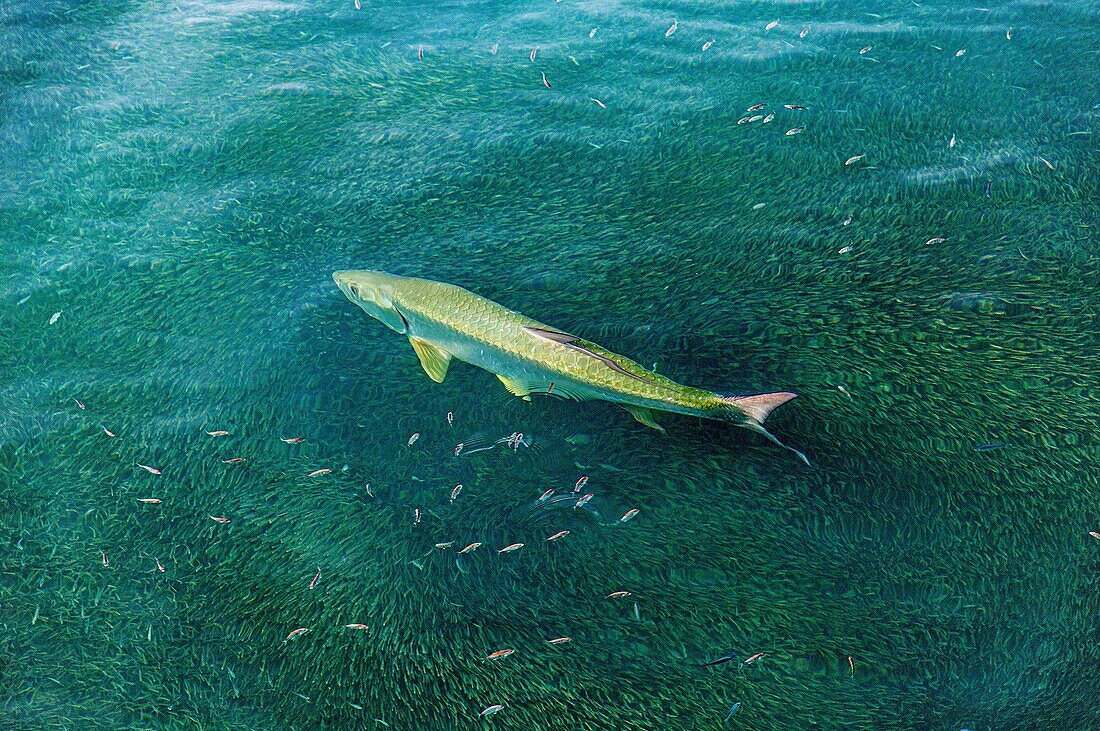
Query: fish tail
[751, 411]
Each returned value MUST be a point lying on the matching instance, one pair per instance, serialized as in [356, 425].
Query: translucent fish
[672, 28]
[772, 25]
[296, 634]
[55, 317]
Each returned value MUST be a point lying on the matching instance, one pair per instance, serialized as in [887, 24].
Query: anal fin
[434, 359]
[644, 415]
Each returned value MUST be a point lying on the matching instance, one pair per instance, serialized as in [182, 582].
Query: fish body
[445, 322]
[720, 661]
[296, 634]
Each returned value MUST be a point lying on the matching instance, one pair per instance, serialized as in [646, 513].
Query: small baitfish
[444, 322]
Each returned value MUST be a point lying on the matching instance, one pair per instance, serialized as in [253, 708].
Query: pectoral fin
[644, 415]
[434, 359]
[516, 388]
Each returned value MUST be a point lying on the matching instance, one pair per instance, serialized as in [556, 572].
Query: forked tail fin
[751, 411]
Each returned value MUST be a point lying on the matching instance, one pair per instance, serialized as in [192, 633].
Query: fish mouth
[341, 279]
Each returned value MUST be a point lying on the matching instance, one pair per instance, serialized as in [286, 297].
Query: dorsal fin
[556, 336]
[571, 341]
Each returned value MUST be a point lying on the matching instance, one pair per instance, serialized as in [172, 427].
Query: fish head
[374, 292]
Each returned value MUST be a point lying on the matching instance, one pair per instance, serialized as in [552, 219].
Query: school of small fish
[757, 112]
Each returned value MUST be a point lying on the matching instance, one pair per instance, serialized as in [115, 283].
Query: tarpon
[443, 321]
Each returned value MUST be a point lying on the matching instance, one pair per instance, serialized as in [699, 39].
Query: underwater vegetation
[919, 262]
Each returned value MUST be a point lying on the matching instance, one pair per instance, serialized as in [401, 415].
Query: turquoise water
[179, 179]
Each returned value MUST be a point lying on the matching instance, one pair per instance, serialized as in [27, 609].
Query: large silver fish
[443, 321]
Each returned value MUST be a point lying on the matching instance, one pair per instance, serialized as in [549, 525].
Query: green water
[179, 180]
